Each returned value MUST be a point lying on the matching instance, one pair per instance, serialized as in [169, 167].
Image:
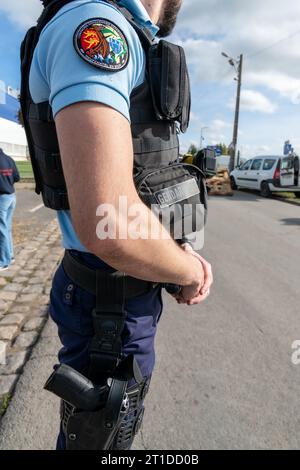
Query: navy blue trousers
[71, 308]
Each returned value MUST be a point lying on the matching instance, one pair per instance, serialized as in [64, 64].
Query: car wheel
[297, 195]
[265, 190]
[233, 183]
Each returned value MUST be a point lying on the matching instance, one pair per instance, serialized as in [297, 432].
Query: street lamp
[202, 138]
[237, 64]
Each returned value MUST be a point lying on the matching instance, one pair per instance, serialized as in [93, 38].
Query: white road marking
[36, 208]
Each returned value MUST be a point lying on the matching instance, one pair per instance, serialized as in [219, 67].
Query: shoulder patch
[101, 43]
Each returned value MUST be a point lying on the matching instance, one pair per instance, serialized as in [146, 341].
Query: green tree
[224, 149]
[192, 149]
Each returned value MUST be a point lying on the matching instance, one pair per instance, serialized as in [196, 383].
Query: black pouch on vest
[177, 194]
[170, 84]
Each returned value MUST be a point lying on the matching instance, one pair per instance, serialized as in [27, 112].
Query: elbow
[104, 244]
[110, 251]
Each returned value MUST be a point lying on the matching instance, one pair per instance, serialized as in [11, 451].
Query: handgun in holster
[95, 412]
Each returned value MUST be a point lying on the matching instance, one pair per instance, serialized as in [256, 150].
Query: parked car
[268, 174]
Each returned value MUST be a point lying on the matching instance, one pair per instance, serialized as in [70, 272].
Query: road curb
[24, 305]
[288, 201]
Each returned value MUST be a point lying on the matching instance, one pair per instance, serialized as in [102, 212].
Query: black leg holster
[132, 421]
[101, 412]
[79, 427]
[95, 430]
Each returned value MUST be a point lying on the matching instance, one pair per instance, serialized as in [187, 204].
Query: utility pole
[237, 115]
[238, 66]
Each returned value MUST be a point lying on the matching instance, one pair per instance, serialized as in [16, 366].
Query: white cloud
[204, 59]
[218, 131]
[219, 124]
[236, 26]
[194, 117]
[264, 149]
[22, 13]
[284, 84]
[255, 101]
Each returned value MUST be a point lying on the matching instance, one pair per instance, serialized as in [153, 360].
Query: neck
[153, 8]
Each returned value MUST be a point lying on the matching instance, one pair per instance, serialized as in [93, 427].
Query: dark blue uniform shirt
[8, 174]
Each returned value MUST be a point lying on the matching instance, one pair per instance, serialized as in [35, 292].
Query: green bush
[25, 169]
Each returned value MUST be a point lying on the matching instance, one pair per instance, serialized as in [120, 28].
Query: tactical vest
[159, 109]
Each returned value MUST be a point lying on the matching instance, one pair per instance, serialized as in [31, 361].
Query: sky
[267, 33]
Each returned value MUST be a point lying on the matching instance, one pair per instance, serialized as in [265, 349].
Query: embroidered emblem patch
[101, 43]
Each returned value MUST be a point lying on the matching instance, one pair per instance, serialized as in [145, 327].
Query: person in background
[9, 175]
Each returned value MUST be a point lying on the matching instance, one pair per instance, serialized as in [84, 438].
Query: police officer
[88, 63]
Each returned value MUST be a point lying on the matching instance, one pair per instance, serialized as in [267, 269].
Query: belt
[88, 278]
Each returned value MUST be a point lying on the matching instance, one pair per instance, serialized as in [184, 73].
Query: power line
[261, 51]
[254, 54]
[250, 56]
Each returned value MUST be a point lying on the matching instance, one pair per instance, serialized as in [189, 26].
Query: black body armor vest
[158, 108]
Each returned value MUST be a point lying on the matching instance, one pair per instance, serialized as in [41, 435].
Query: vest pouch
[169, 83]
[177, 194]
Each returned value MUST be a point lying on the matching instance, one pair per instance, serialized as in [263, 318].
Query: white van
[268, 174]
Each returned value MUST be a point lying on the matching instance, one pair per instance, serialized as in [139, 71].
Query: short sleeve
[64, 76]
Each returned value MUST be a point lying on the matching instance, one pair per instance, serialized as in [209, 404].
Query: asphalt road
[224, 377]
[30, 216]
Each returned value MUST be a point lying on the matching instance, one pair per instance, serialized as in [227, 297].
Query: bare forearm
[157, 260]
[153, 261]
